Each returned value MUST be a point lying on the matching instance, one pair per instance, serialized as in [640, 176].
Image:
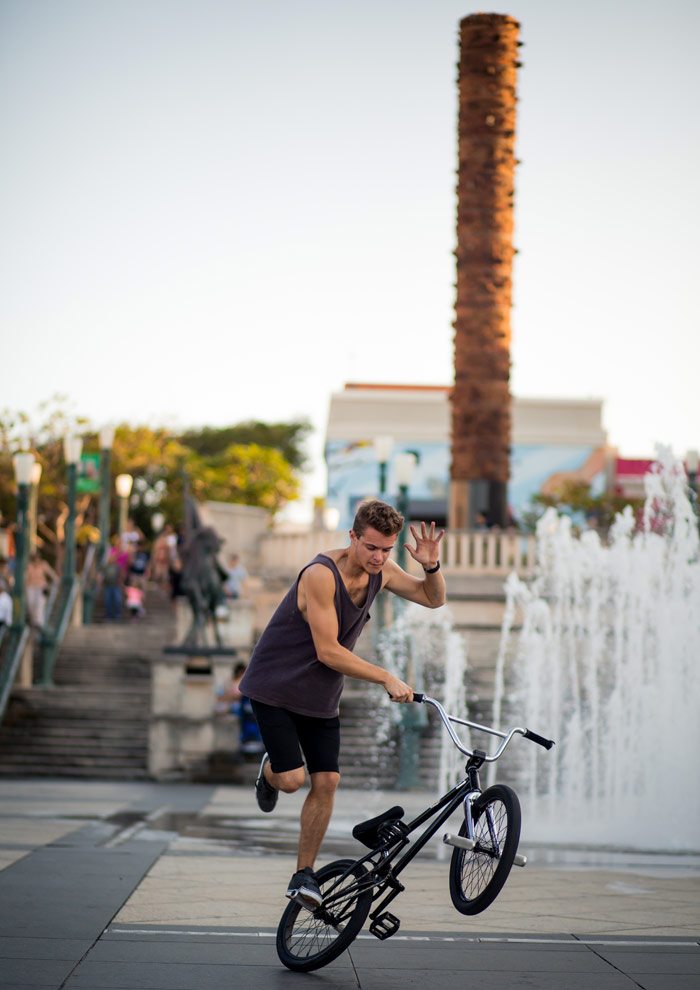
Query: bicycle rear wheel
[477, 875]
[308, 941]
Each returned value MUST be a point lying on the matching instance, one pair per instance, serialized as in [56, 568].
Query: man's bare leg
[315, 816]
[288, 781]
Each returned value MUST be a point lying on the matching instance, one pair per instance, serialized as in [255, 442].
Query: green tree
[245, 471]
[287, 438]
[248, 474]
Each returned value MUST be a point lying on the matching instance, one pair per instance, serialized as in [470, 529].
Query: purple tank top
[284, 670]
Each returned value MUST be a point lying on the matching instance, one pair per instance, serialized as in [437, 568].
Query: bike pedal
[385, 926]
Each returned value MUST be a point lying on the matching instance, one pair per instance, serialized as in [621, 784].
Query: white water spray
[423, 648]
[607, 663]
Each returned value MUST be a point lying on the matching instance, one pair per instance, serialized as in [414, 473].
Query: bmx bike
[483, 853]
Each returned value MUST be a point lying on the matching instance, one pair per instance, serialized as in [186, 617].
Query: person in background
[5, 606]
[112, 578]
[130, 538]
[160, 557]
[134, 599]
[38, 579]
[139, 564]
[230, 699]
[175, 540]
[237, 574]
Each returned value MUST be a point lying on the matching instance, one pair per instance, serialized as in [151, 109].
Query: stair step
[94, 721]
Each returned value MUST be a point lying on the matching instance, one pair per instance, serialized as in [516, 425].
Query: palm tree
[481, 402]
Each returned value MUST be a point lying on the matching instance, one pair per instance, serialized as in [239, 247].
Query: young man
[296, 673]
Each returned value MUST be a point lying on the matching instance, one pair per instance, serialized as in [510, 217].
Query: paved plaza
[126, 885]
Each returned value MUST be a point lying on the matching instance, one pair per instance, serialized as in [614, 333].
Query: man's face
[372, 549]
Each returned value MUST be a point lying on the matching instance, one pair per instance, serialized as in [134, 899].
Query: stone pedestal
[184, 729]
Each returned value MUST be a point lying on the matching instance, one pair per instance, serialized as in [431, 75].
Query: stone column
[481, 401]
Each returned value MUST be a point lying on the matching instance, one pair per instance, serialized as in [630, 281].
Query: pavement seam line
[354, 967]
[611, 964]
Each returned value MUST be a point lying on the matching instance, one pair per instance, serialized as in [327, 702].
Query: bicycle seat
[368, 832]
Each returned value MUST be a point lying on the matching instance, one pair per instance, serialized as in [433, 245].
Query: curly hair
[380, 516]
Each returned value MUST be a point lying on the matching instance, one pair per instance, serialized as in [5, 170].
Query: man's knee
[289, 781]
[325, 783]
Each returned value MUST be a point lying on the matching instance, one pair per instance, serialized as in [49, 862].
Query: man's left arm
[430, 590]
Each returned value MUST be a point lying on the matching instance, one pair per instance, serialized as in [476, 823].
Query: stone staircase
[94, 721]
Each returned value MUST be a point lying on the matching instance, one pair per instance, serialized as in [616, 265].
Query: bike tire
[308, 941]
[477, 876]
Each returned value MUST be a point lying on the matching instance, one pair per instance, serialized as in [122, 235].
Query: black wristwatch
[432, 570]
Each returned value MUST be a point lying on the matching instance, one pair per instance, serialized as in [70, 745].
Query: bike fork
[468, 842]
[469, 800]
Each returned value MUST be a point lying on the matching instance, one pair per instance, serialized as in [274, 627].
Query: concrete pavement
[152, 885]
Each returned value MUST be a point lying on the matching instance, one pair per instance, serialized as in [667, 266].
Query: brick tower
[481, 399]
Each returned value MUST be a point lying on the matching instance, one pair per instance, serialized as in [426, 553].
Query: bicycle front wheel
[306, 940]
[477, 875]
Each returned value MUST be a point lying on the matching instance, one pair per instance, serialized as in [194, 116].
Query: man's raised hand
[427, 549]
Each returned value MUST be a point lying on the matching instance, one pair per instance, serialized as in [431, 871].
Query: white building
[552, 439]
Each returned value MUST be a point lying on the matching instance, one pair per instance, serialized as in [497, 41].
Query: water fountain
[423, 648]
[607, 662]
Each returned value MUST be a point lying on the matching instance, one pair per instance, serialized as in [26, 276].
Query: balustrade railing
[464, 552]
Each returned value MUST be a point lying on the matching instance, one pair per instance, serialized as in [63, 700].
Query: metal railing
[13, 643]
[59, 609]
[58, 614]
[90, 578]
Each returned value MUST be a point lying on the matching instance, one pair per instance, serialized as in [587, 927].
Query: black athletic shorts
[287, 735]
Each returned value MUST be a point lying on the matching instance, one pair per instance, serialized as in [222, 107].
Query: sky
[218, 210]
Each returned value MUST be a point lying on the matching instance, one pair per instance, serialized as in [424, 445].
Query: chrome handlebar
[505, 736]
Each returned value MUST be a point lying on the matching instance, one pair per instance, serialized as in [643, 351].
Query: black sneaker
[303, 887]
[265, 795]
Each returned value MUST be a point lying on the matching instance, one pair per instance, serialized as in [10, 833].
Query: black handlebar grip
[540, 740]
[418, 697]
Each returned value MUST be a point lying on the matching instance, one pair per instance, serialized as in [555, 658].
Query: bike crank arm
[462, 842]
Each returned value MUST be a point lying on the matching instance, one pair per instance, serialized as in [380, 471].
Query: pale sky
[213, 211]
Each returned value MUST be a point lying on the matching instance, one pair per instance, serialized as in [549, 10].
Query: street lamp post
[383, 446]
[34, 505]
[123, 483]
[404, 467]
[23, 465]
[106, 441]
[72, 449]
[412, 716]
